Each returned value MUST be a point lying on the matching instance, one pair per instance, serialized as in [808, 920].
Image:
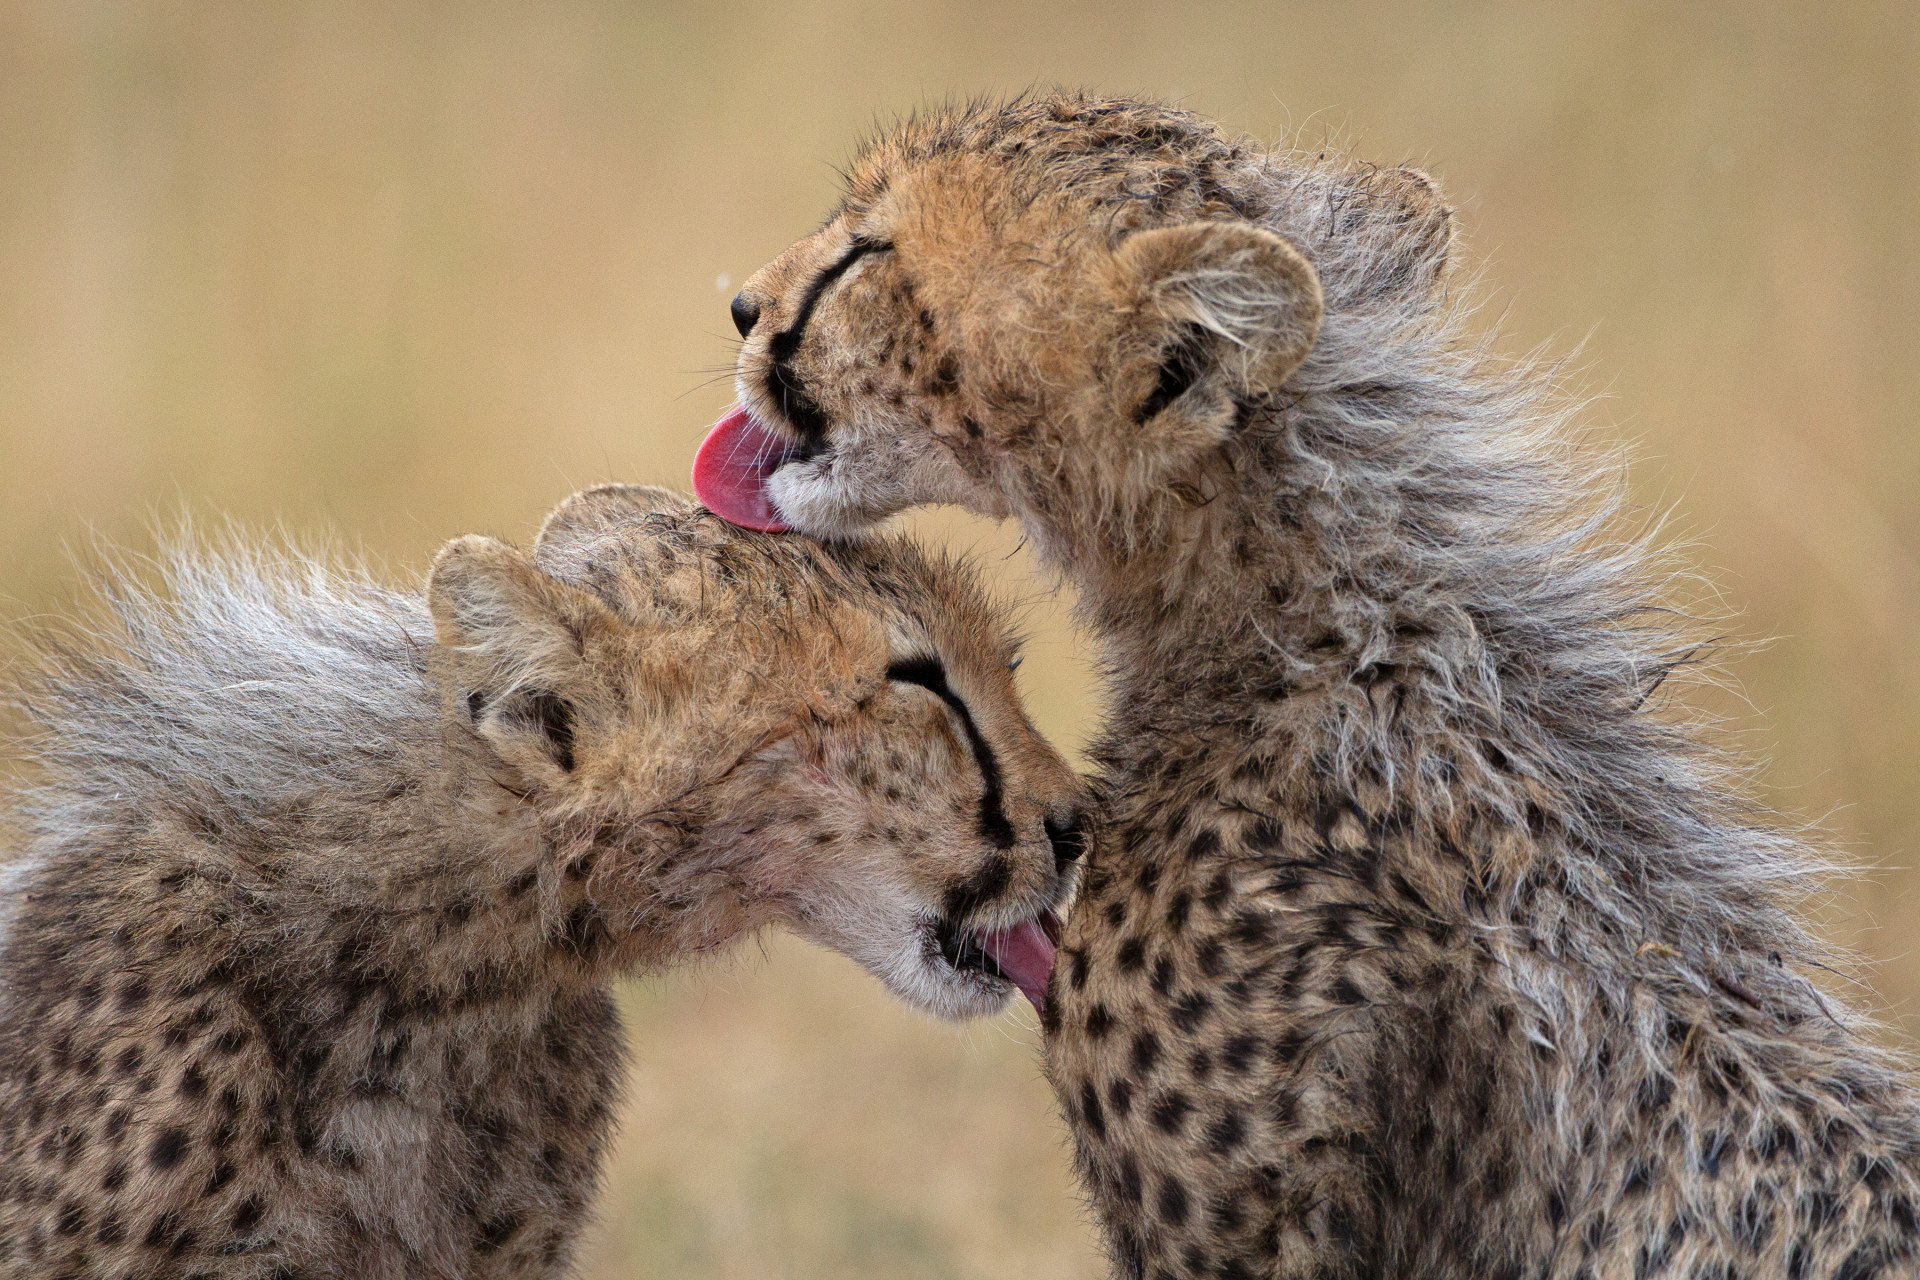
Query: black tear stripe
[783, 385]
[929, 674]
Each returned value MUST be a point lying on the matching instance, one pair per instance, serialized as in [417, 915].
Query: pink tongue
[730, 471]
[1025, 954]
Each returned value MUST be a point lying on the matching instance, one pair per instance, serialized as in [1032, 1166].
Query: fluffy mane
[224, 677]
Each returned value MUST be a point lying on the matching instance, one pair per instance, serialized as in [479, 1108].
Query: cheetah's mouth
[731, 469]
[1022, 954]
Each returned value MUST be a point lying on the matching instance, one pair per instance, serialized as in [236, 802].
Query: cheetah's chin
[730, 471]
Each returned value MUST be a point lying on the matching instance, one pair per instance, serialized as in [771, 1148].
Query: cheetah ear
[1220, 314]
[1410, 223]
[513, 642]
[572, 529]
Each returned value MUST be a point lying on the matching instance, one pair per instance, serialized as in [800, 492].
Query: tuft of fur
[1429, 938]
[319, 883]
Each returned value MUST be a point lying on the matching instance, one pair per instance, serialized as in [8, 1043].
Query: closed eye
[784, 385]
[787, 341]
[931, 674]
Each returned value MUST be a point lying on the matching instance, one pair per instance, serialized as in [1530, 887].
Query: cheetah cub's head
[1061, 309]
[750, 730]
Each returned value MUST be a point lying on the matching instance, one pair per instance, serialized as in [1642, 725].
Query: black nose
[1069, 839]
[745, 314]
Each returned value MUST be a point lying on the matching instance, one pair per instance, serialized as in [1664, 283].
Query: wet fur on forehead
[653, 554]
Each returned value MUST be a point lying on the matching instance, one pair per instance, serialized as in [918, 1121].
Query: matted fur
[1425, 942]
[320, 883]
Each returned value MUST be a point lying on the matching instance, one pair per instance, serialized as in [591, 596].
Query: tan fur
[1424, 943]
[320, 885]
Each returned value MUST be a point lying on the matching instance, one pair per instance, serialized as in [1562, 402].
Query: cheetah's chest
[1169, 1003]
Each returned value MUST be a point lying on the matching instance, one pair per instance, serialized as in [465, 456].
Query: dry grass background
[413, 270]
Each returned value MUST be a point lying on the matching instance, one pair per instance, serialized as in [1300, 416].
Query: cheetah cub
[1424, 944]
[320, 885]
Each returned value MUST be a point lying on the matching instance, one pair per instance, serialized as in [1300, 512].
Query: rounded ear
[591, 515]
[515, 642]
[1220, 313]
[1415, 229]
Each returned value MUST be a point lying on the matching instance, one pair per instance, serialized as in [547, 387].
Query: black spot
[163, 1229]
[1090, 1110]
[247, 1214]
[1162, 980]
[1099, 1022]
[1177, 910]
[1169, 1112]
[193, 1082]
[1132, 955]
[1863, 1263]
[945, 378]
[1120, 1098]
[1228, 1132]
[1069, 840]
[222, 1174]
[72, 1220]
[1050, 1018]
[1776, 1140]
[1251, 928]
[168, 1148]
[1173, 1202]
[1638, 1179]
[115, 1178]
[1077, 970]
[1190, 1009]
[1238, 1052]
[496, 1231]
[1145, 1051]
[112, 1230]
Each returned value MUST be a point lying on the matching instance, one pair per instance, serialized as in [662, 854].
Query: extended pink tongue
[1025, 954]
[730, 471]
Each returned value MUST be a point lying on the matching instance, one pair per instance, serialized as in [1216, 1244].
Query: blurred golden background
[413, 270]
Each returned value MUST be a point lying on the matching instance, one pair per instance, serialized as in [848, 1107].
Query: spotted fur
[320, 884]
[1428, 939]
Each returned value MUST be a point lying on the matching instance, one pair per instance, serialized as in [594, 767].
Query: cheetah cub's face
[976, 328]
[832, 734]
